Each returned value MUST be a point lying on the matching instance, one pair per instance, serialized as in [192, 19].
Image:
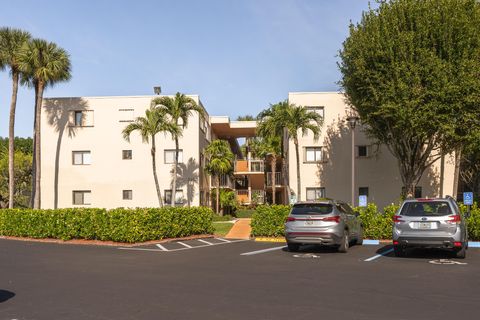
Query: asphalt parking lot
[233, 280]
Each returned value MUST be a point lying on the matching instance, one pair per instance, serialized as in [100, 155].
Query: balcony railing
[250, 196]
[226, 181]
[252, 165]
[278, 179]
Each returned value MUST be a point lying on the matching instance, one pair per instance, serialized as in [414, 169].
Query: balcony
[249, 166]
[226, 182]
[250, 196]
[278, 179]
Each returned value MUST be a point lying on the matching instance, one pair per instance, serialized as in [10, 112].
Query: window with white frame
[127, 194]
[82, 197]
[315, 193]
[318, 109]
[313, 154]
[170, 156]
[178, 196]
[81, 157]
[363, 191]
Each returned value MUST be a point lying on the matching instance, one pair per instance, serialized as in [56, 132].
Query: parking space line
[161, 247]
[209, 243]
[261, 251]
[184, 244]
[379, 255]
[225, 240]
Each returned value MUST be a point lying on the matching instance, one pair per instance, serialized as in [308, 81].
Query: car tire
[344, 244]
[462, 253]
[360, 238]
[293, 247]
[399, 251]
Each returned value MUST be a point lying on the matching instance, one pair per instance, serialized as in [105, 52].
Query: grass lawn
[222, 228]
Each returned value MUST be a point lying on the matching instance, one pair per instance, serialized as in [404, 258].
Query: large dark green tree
[411, 69]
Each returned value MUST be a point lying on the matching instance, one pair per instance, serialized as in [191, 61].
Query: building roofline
[111, 97]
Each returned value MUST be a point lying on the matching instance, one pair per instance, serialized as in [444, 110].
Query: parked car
[430, 223]
[325, 222]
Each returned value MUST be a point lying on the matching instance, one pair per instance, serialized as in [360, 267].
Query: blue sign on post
[362, 201]
[468, 198]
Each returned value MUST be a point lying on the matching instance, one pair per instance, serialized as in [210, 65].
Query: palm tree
[44, 64]
[154, 122]
[220, 162]
[11, 43]
[293, 119]
[270, 146]
[178, 108]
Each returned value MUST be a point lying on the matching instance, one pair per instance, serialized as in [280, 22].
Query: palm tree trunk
[34, 163]
[174, 182]
[217, 208]
[299, 186]
[154, 168]
[38, 113]
[11, 141]
[274, 170]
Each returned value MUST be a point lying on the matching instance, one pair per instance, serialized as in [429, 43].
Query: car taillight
[290, 219]
[397, 219]
[454, 219]
[334, 219]
[396, 243]
[457, 244]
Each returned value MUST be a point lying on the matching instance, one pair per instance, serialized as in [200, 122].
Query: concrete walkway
[240, 230]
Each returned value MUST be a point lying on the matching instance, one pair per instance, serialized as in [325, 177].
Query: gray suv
[430, 223]
[325, 222]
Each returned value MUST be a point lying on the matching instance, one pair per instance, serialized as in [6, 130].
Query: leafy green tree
[44, 65]
[21, 144]
[246, 117]
[220, 161]
[294, 120]
[23, 178]
[411, 69]
[11, 43]
[154, 122]
[178, 109]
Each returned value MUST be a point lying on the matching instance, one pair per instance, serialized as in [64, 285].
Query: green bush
[121, 225]
[376, 225]
[268, 221]
[473, 222]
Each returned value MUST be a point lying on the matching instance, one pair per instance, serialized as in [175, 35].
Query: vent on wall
[126, 115]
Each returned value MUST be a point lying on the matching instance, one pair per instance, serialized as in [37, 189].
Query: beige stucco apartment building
[86, 161]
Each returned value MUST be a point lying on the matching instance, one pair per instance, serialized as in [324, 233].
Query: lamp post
[352, 122]
[157, 90]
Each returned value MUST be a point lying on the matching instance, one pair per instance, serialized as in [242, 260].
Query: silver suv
[325, 222]
[430, 223]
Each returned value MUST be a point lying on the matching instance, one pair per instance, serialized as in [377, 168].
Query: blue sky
[238, 55]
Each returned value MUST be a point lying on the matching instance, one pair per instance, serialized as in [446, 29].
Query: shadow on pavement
[6, 295]
[311, 248]
[419, 253]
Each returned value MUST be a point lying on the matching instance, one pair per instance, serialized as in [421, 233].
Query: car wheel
[344, 243]
[462, 253]
[293, 247]
[399, 251]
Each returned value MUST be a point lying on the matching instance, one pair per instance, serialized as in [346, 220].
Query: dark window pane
[312, 209]
[362, 151]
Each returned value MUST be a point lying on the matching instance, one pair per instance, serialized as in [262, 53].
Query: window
[363, 191]
[178, 196]
[418, 192]
[81, 118]
[126, 154]
[315, 193]
[170, 156]
[127, 194]
[362, 151]
[81, 157]
[318, 109]
[313, 154]
[78, 118]
[82, 197]
[126, 115]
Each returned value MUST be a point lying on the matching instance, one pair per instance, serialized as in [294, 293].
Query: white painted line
[223, 239]
[184, 244]
[161, 247]
[262, 251]
[209, 243]
[379, 255]
[172, 250]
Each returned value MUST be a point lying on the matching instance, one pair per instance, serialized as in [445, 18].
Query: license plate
[309, 222]
[424, 225]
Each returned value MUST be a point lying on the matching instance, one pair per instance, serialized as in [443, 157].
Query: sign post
[468, 200]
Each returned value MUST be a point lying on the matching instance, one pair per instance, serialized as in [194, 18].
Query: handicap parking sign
[468, 198]
[362, 201]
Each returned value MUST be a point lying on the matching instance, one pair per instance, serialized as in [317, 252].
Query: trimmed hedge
[268, 221]
[120, 225]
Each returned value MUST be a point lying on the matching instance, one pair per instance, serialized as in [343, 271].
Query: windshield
[427, 208]
[312, 208]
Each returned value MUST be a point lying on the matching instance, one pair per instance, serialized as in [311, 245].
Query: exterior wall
[108, 174]
[379, 172]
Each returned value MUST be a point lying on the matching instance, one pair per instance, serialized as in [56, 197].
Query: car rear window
[312, 208]
[426, 208]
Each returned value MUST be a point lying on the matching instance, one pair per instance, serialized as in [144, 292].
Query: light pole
[157, 90]
[352, 122]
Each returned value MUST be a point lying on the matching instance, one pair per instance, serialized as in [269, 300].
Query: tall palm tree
[293, 119]
[220, 162]
[177, 109]
[45, 64]
[270, 147]
[154, 122]
[11, 43]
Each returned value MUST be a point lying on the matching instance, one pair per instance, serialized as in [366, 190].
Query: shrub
[121, 225]
[375, 224]
[473, 222]
[269, 221]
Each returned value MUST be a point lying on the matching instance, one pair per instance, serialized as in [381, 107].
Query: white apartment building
[86, 161]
